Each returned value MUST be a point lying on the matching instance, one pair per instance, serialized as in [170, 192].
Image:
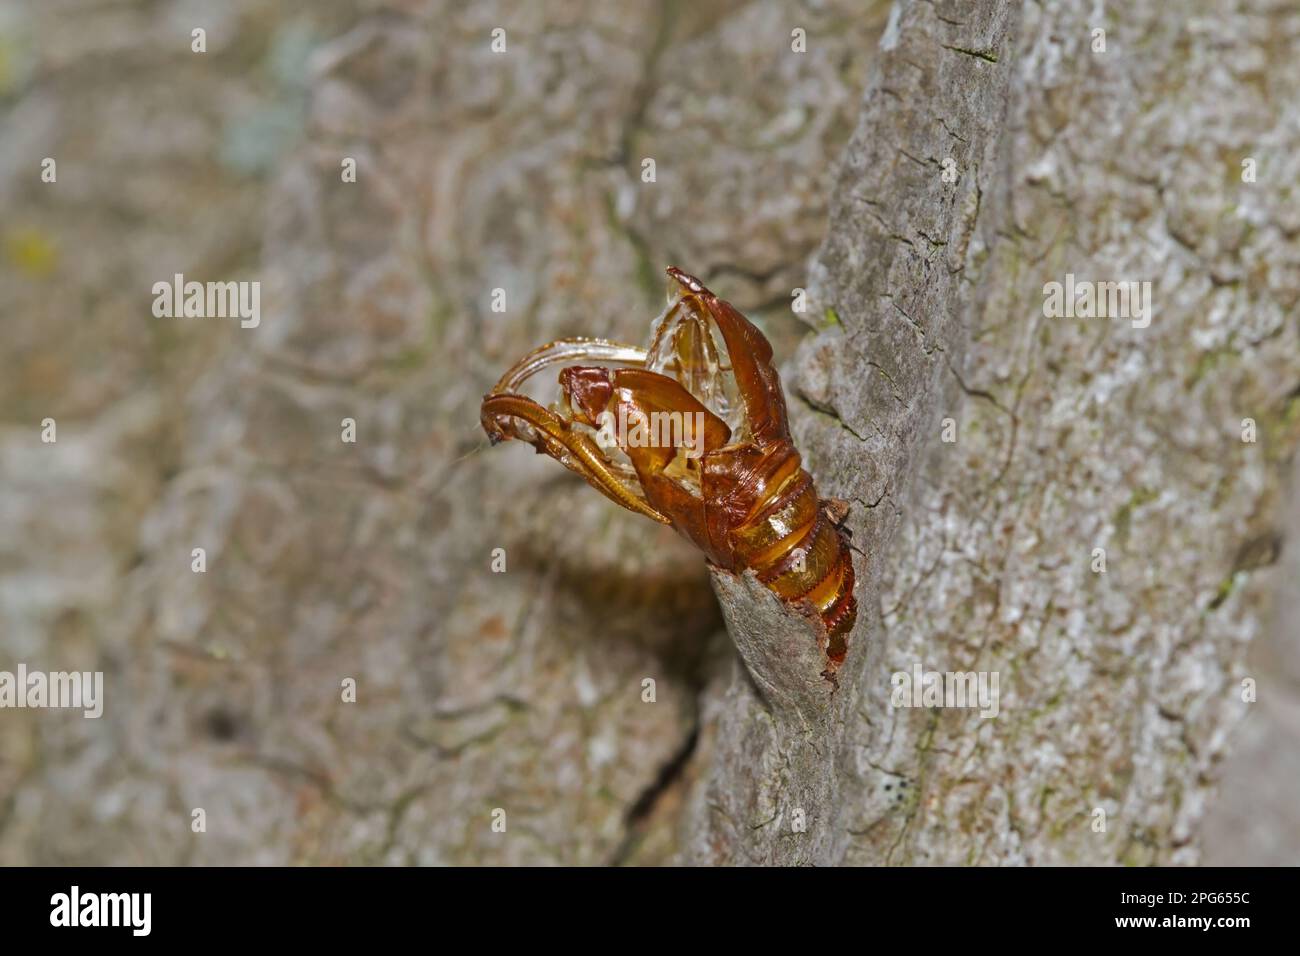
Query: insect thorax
[687, 346]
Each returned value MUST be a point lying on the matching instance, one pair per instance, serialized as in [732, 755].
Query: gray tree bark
[894, 273]
[526, 691]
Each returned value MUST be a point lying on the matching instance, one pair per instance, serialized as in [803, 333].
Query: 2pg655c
[1212, 898]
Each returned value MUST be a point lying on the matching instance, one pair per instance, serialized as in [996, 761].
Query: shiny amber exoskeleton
[708, 450]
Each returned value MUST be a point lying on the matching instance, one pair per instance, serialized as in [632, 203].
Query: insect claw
[837, 509]
[689, 281]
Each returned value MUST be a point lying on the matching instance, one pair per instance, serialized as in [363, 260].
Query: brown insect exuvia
[708, 450]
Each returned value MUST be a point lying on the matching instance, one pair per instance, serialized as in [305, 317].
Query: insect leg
[567, 350]
[574, 450]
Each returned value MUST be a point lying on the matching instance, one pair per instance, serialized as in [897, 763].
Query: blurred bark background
[775, 170]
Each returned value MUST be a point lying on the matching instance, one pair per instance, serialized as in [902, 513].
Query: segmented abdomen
[788, 540]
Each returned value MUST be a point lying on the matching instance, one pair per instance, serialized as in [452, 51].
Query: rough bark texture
[525, 691]
[1255, 812]
[894, 272]
[1119, 688]
[521, 691]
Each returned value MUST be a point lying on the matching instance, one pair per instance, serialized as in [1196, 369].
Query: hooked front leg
[555, 353]
[566, 350]
[553, 436]
[503, 409]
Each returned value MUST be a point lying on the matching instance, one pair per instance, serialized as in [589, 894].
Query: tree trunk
[527, 655]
